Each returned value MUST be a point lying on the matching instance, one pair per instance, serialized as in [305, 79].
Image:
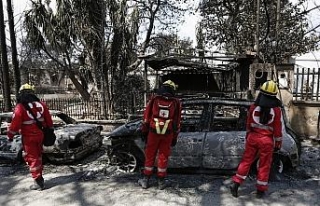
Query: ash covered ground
[93, 181]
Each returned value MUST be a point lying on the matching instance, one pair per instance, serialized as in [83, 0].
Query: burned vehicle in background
[74, 140]
[212, 138]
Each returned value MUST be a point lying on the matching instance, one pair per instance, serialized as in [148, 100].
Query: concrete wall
[302, 116]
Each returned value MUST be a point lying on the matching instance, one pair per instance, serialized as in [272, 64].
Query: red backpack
[164, 113]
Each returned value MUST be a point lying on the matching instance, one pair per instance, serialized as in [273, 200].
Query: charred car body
[74, 140]
[212, 137]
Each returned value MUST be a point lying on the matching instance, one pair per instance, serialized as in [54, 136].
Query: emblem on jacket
[38, 107]
[256, 115]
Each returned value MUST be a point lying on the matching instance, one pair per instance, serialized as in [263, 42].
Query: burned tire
[127, 160]
[277, 169]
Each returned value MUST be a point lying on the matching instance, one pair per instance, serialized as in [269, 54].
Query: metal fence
[306, 84]
[92, 109]
[77, 108]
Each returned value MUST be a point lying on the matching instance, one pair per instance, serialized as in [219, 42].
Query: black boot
[234, 189]
[144, 182]
[260, 194]
[38, 184]
[162, 183]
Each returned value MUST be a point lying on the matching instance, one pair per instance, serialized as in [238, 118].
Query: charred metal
[74, 140]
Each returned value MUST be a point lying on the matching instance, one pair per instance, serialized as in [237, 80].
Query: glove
[10, 136]
[144, 129]
[277, 145]
[174, 142]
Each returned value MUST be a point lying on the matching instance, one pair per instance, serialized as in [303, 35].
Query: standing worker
[24, 123]
[161, 124]
[264, 135]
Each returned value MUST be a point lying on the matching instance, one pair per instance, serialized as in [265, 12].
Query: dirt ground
[90, 182]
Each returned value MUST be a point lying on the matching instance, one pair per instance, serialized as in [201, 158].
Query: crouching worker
[23, 122]
[264, 135]
[162, 125]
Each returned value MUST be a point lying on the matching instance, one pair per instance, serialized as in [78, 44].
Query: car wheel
[277, 168]
[126, 161]
[277, 165]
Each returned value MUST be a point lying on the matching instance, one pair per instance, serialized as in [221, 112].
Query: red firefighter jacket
[274, 126]
[162, 115]
[24, 123]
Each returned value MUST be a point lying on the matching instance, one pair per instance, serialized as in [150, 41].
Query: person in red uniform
[264, 135]
[23, 123]
[161, 123]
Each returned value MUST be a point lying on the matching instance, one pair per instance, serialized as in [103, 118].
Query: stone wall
[302, 116]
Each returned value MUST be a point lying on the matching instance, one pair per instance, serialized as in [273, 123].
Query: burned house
[224, 75]
[219, 75]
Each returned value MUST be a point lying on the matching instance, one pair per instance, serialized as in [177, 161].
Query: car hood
[73, 131]
[127, 129]
[9, 150]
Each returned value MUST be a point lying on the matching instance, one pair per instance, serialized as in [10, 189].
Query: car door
[224, 142]
[188, 150]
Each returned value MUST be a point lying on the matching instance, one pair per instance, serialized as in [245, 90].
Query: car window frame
[203, 123]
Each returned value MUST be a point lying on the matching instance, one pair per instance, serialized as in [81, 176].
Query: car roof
[234, 102]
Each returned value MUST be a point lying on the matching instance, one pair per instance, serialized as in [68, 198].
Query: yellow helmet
[26, 86]
[269, 88]
[171, 84]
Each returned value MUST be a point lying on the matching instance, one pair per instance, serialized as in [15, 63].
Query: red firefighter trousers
[161, 145]
[32, 146]
[256, 144]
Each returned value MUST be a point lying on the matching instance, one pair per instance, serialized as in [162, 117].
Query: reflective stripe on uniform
[32, 121]
[148, 168]
[241, 176]
[162, 169]
[33, 169]
[260, 126]
[278, 139]
[262, 183]
[165, 127]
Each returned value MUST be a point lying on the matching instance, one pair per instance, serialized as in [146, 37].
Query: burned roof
[214, 64]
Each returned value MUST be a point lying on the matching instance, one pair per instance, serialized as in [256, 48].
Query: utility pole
[4, 61]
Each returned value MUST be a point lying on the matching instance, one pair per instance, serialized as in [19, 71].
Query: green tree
[232, 25]
[56, 36]
[164, 44]
[109, 35]
[134, 24]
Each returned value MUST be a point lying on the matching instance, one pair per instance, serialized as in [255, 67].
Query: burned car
[74, 140]
[212, 138]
